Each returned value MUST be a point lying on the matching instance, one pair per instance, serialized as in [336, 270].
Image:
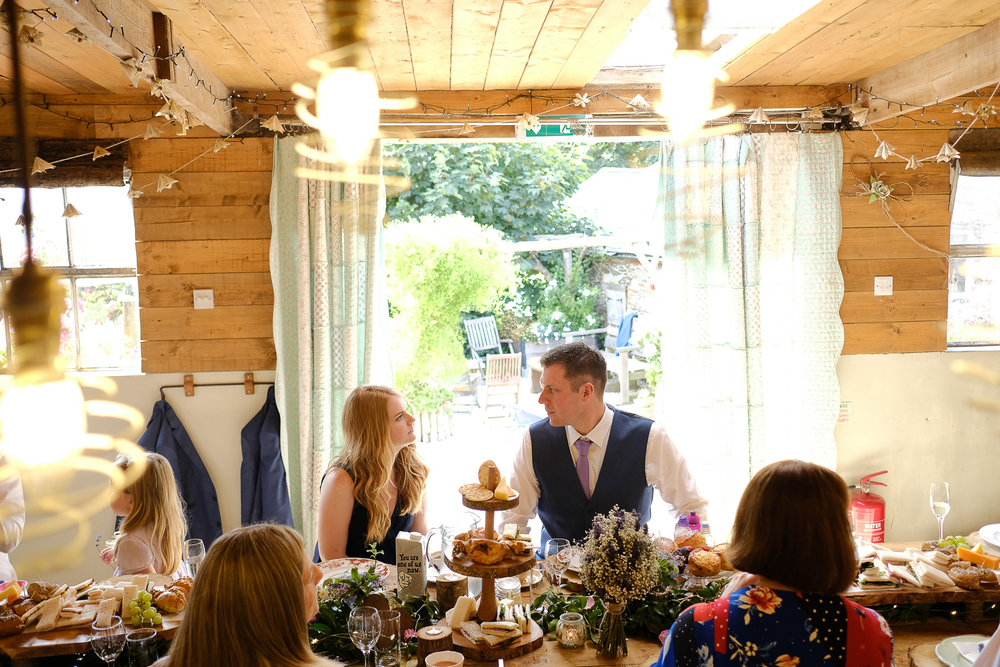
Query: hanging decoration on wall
[39, 165]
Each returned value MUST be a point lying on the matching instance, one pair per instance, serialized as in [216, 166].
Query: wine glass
[557, 555]
[940, 504]
[109, 639]
[194, 553]
[365, 627]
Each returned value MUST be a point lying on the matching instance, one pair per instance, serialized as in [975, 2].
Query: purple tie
[583, 465]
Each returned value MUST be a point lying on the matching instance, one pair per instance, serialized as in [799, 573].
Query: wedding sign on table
[619, 564]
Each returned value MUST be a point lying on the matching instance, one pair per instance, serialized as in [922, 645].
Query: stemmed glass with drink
[364, 625]
[940, 504]
[194, 553]
[557, 555]
[109, 638]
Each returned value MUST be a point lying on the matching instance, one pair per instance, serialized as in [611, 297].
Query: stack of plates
[991, 538]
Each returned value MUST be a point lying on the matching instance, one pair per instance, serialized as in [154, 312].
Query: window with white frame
[974, 264]
[93, 254]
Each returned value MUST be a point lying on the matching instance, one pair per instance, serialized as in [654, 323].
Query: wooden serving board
[523, 645]
[70, 641]
[505, 568]
[492, 505]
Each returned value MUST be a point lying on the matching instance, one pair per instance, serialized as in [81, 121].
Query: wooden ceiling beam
[968, 63]
[205, 99]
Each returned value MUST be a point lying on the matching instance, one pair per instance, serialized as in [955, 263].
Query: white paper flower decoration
[913, 163]
[580, 100]
[133, 70]
[527, 121]
[639, 102]
[947, 153]
[884, 150]
[861, 116]
[30, 36]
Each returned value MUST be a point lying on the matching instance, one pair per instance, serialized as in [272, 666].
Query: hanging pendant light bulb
[345, 104]
[63, 469]
[687, 91]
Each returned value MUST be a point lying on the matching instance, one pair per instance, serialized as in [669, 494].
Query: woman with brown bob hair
[253, 597]
[792, 535]
[375, 488]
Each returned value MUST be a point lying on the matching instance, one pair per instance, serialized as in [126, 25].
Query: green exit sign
[568, 128]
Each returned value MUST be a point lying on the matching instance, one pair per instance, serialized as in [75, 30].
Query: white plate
[949, 655]
[340, 568]
[991, 534]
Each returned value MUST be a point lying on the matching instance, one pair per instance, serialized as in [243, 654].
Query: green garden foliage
[518, 189]
[438, 268]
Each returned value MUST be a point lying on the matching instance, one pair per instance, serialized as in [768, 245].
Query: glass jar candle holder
[571, 631]
[508, 588]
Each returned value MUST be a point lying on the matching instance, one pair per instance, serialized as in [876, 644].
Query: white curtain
[329, 303]
[751, 291]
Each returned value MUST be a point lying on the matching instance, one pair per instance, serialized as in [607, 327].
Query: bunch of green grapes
[143, 610]
[953, 541]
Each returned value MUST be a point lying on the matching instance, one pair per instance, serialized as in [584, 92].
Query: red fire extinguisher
[868, 511]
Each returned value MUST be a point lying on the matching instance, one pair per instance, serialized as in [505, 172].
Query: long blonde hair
[369, 456]
[156, 504]
[246, 607]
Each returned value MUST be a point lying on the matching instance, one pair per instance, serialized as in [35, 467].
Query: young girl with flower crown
[153, 527]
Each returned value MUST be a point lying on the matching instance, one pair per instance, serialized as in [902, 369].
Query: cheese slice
[989, 562]
[465, 607]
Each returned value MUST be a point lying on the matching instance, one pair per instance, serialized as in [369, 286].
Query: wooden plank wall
[211, 230]
[914, 318]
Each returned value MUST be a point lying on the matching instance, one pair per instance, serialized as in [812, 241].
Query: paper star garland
[78, 36]
[273, 124]
[912, 163]
[134, 194]
[581, 100]
[947, 153]
[861, 116]
[30, 36]
[70, 211]
[20, 221]
[133, 70]
[466, 129]
[639, 102]
[219, 145]
[884, 150]
[164, 182]
[165, 111]
[156, 88]
[100, 152]
[759, 116]
[41, 165]
[527, 121]
[152, 132]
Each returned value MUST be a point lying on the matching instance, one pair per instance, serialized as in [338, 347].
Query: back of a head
[246, 607]
[581, 363]
[791, 526]
[157, 505]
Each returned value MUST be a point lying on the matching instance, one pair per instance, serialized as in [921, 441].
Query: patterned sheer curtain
[751, 291]
[328, 298]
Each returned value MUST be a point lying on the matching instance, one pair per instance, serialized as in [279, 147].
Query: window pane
[104, 232]
[976, 218]
[67, 335]
[49, 227]
[974, 300]
[109, 322]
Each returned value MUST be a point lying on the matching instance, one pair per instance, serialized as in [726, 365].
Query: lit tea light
[434, 631]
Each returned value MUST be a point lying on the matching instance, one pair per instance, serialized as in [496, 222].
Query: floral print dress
[760, 626]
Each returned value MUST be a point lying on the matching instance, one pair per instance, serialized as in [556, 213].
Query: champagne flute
[109, 639]
[557, 554]
[940, 504]
[194, 553]
[365, 627]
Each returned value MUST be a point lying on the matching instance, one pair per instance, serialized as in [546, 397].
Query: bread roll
[703, 563]
[689, 538]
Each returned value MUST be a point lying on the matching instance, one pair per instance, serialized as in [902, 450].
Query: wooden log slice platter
[506, 568]
[491, 505]
[526, 643]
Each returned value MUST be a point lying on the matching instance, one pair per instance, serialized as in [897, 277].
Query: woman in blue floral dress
[793, 538]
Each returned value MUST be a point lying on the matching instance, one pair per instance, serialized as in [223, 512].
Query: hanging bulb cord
[24, 145]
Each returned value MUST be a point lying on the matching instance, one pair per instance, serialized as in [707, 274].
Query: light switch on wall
[883, 285]
[204, 299]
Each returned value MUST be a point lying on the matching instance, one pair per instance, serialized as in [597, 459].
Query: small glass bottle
[682, 525]
[571, 631]
[706, 532]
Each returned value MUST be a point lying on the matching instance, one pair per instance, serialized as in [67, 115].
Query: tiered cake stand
[510, 567]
